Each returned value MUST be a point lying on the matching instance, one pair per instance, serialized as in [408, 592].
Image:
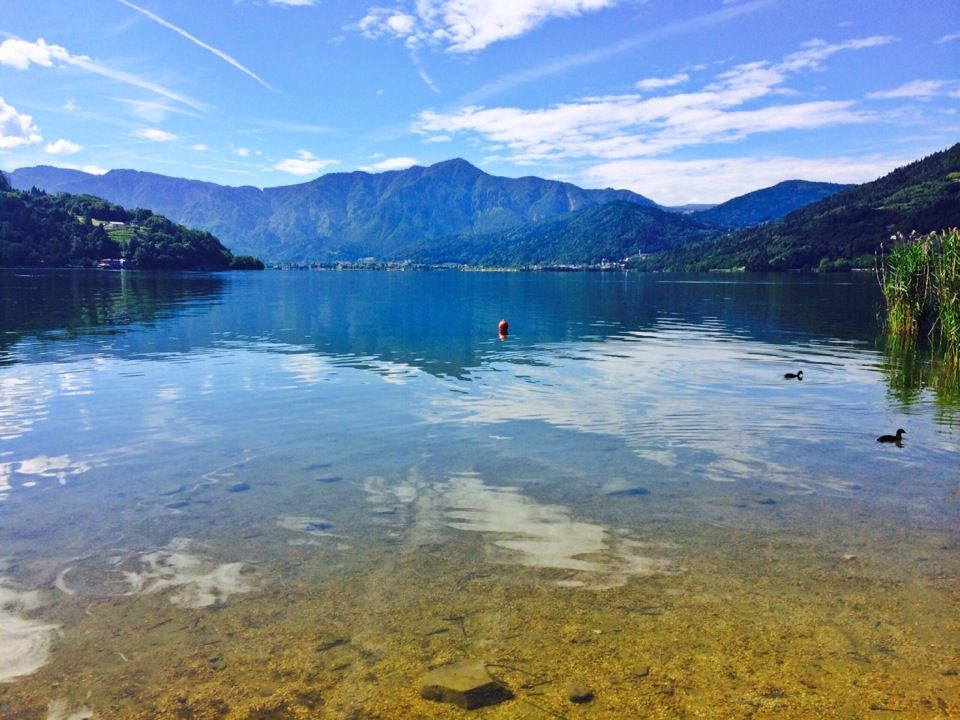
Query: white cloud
[674, 182]
[200, 147]
[917, 90]
[395, 163]
[814, 52]
[62, 147]
[95, 169]
[155, 135]
[949, 38]
[463, 26]
[655, 83]
[20, 54]
[196, 41]
[624, 126]
[306, 163]
[241, 151]
[16, 129]
[70, 105]
[293, 3]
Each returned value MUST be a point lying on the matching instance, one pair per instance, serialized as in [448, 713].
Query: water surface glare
[291, 494]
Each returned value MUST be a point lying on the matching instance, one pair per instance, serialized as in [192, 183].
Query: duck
[892, 438]
[794, 376]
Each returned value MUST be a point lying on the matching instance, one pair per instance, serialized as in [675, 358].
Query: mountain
[689, 208]
[613, 231]
[842, 231]
[771, 203]
[42, 230]
[340, 215]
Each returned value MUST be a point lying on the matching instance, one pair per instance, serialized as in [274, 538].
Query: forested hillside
[42, 230]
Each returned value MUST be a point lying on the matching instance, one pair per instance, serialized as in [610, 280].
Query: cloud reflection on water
[517, 529]
[24, 643]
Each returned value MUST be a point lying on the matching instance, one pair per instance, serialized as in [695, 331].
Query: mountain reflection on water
[438, 322]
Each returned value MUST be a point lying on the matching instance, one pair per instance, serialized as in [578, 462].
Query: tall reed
[921, 285]
[905, 278]
[945, 289]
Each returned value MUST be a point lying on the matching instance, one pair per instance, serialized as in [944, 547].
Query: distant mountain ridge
[842, 231]
[772, 203]
[340, 215]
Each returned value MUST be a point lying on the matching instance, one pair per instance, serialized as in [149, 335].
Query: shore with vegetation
[81, 231]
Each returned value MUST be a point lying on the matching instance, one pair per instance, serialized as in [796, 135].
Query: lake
[291, 494]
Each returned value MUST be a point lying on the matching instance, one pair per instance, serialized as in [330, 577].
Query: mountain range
[840, 232]
[447, 212]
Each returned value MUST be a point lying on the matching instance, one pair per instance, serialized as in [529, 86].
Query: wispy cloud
[155, 135]
[20, 54]
[466, 26]
[306, 163]
[16, 129]
[575, 60]
[196, 41]
[153, 111]
[299, 127]
[62, 147]
[631, 125]
[674, 182]
[655, 83]
[395, 163]
[422, 72]
[293, 3]
[917, 90]
[949, 38]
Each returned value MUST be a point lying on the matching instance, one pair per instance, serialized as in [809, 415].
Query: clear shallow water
[268, 463]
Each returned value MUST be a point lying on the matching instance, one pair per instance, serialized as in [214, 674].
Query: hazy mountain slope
[768, 204]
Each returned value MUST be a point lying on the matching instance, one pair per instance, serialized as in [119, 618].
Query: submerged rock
[629, 492]
[579, 692]
[238, 487]
[466, 684]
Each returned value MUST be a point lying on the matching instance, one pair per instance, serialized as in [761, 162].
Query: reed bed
[920, 278]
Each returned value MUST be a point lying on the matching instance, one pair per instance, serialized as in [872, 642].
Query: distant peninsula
[38, 229]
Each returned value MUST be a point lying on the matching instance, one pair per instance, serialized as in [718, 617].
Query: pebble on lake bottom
[466, 684]
[579, 692]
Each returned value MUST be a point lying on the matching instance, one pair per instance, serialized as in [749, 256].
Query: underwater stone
[466, 684]
[238, 487]
[629, 492]
[579, 692]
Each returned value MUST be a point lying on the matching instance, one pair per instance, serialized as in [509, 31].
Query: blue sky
[694, 101]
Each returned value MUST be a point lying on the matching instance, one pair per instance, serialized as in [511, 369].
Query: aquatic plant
[945, 271]
[904, 276]
[920, 279]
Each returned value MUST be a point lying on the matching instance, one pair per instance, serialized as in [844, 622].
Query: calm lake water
[291, 494]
